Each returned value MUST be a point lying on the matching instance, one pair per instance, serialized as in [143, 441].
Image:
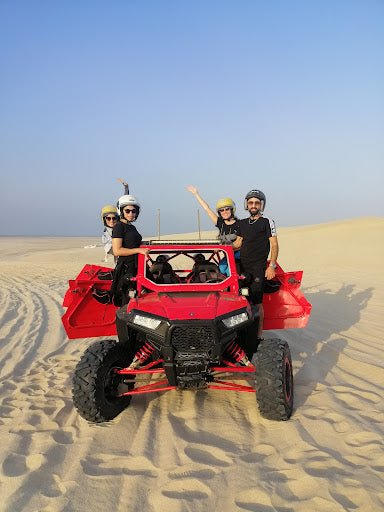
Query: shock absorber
[238, 353]
[142, 355]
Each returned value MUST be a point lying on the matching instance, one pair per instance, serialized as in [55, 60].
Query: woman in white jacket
[109, 218]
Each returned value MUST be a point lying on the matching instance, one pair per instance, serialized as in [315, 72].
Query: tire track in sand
[35, 397]
[31, 310]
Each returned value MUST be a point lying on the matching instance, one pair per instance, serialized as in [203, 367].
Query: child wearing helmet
[224, 219]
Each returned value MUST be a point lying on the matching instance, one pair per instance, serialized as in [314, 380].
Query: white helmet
[127, 200]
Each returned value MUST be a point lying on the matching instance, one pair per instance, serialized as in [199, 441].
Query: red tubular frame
[161, 385]
[85, 317]
[149, 388]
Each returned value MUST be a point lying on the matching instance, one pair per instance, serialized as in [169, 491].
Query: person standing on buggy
[109, 218]
[126, 242]
[224, 219]
[126, 239]
[257, 239]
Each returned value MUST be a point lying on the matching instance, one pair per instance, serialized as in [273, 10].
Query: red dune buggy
[182, 325]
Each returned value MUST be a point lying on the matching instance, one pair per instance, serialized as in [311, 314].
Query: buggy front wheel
[96, 386]
[274, 379]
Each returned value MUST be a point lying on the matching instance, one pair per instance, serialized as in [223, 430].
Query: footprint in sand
[17, 464]
[65, 435]
[350, 401]
[377, 419]
[21, 405]
[8, 385]
[299, 485]
[46, 407]
[35, 389]
[353, 393]
[45, 509]
[198, 471]
[379, 466]
[209, 455]
[321, 466]
[48, 411]
[319, 463]
[338, 421]
[260, 454]
[53, 487]
[35, 422]
[350, 495]
[256, 500]
[186, 489]
[345, 501]
[103, 464]
[7, 411]
[364, 440]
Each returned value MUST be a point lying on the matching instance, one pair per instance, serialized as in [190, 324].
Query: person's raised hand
[192, 189]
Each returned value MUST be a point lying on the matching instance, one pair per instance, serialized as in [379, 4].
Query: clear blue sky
[227, 95]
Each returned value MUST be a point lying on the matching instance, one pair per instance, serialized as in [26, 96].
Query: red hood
[189, 306]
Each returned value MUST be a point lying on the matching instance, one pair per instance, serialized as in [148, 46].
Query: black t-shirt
[228, 232]
[255, 246]
[131, 239]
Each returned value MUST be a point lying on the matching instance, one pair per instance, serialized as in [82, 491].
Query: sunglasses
[111, 218]
[225, 209]
[130, 211]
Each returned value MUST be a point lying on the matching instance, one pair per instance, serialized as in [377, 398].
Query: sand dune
[187, 451]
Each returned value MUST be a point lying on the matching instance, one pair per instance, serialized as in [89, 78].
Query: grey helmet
[259, 195]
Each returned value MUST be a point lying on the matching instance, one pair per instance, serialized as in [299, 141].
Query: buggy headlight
[146, 321]
[234, 320]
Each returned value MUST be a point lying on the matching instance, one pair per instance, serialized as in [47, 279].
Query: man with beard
[257, 238]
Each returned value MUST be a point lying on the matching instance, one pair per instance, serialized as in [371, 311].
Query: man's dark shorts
[256, 288]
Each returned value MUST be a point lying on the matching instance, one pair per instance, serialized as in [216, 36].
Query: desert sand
[207, 450]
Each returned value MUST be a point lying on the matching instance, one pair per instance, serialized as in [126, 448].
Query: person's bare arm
[270, 272]
[119, 250]
[212, 215]
[125, 185]
[237, 243]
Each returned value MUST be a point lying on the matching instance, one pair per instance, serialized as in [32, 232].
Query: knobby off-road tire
[274, 380]
[94, 384]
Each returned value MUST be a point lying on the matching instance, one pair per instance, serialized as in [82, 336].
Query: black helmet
[259, 195]
[199, 258]
[162, 258]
